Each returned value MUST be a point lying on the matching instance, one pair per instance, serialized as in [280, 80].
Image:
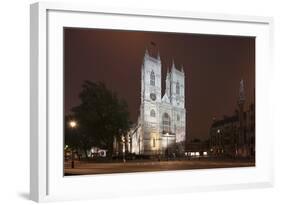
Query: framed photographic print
[128, 101]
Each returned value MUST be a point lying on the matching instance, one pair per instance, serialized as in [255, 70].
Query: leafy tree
[101, 116]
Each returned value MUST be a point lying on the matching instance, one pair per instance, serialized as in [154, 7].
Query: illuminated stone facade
[161, 127]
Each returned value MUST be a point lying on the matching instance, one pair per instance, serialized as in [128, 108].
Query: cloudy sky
[213, 67]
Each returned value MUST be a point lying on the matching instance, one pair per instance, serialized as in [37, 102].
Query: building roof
[226, 120]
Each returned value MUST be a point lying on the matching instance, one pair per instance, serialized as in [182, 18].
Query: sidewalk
[82, 168]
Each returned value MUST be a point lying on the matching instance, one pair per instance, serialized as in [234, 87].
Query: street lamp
[73, 125]
[221, 142]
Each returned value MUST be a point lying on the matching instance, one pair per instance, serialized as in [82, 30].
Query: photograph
[147, 101]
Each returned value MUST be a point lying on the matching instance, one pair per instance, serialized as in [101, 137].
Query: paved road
[82, 168]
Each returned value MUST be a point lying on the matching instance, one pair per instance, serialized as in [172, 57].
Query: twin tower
[162, 120]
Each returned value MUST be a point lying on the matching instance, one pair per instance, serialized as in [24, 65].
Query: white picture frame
[47, 182]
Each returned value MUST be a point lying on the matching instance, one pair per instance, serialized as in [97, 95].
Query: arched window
[166, 123]
[152, 78]
[178, 118]
[178, 88]
[152, 113]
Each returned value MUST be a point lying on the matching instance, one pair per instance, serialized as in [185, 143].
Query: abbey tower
[162, 118]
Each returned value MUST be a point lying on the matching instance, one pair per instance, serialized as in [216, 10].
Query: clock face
[152, 96]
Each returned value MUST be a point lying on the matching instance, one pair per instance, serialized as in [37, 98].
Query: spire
[168, 71]
[158, 55]
[145, 57]
[173, 64]
[146, 52]
[241, 92]
[168, 74]
[182, 69]
[168, 84]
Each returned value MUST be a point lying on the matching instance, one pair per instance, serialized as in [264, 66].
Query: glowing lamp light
[73, 124]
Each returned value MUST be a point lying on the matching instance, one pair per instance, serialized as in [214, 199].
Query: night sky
[213, 65]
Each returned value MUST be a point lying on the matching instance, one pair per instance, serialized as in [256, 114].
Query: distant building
[196, 148]
[234, 136]
[97, 152]
[162, 119]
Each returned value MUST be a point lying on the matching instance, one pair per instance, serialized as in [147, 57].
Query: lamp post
[72, 125]
[220, 142]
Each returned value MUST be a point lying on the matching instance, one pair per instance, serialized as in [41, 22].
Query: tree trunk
[110, 150]
[86, 154]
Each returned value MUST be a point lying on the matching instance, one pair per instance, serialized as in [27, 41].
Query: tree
[101, 116]
[74, 138]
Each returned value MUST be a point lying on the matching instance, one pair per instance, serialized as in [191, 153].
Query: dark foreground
[84, 168]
